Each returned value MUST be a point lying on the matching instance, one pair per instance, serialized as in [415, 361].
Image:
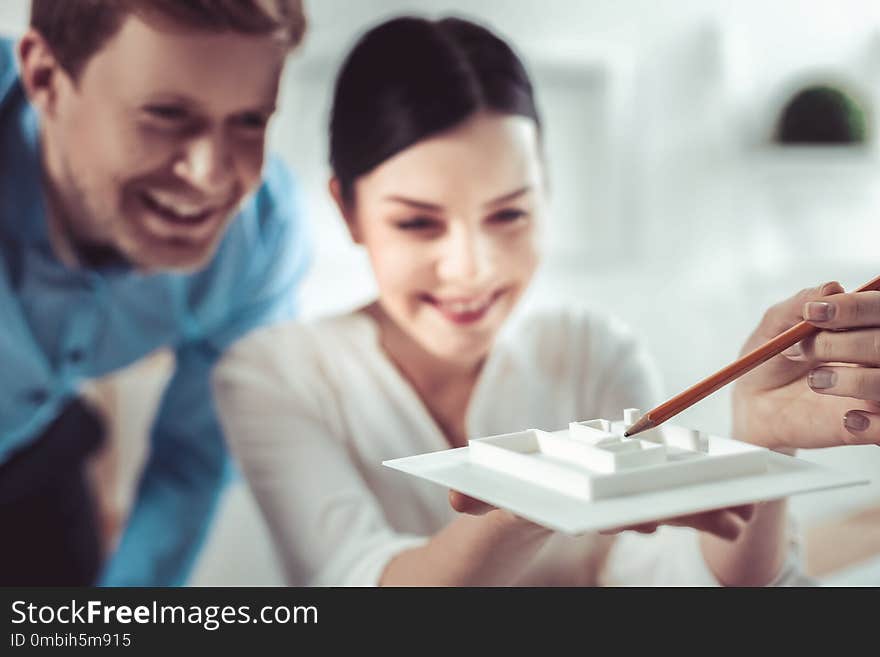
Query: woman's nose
[465, 257]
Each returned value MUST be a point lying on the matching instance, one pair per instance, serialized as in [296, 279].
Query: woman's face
[450, 225]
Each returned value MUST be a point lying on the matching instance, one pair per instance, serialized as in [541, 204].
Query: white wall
[663, 196]
[668, 211]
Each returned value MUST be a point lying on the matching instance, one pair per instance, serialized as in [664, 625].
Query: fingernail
[794, 352]
[819, 311]
[855, 421]
[822, 378]
[827, 287]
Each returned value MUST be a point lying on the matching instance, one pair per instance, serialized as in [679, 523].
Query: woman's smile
[464, 310]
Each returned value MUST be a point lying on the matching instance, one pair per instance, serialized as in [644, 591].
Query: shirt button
[37, 396]
[76, 355]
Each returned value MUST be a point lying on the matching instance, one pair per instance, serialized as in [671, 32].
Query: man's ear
[345, 209]
[40, 71]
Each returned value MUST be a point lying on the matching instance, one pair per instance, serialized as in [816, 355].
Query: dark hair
[77, 29]
[410, 78]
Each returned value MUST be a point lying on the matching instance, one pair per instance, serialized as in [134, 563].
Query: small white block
[624, 455]
[515, 454]
[648, 454]
[689, 439]
[600, 424]
[591, 432]
[655, 435]
[631, 416]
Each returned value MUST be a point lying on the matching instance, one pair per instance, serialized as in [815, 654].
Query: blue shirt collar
[22, 208]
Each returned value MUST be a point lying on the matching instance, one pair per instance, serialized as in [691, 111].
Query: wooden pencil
[707, 386]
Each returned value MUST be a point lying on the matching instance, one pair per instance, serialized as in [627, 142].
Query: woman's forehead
[479, 161]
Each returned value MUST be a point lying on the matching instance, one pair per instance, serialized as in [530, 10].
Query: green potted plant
[822, 114]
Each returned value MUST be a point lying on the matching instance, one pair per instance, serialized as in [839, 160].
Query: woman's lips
[464, 310]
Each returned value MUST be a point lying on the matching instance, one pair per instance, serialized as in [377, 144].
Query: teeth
[184, 210]
[461, 307]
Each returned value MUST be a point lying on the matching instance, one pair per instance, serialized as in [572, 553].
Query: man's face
[155, 145]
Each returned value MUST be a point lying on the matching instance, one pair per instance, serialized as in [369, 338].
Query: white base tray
[570, 514]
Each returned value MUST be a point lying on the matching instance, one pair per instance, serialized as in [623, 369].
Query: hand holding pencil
[825, 391]
[822, 391]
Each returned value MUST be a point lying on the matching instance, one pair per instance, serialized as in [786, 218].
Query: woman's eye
[418, 223]
[507, 216]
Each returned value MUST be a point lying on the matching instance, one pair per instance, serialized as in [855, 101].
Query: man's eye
[253, 121]
[507, 216]
[418, 223]
[168, 113]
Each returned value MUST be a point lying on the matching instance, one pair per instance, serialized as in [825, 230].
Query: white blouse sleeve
[672, 556]
[279, 416]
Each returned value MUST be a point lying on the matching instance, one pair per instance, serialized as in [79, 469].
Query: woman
[438, 172]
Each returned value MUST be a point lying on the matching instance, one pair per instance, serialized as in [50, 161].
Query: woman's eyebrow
[425, 205]
[421, 205]
[504, 198]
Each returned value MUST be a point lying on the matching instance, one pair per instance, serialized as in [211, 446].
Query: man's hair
[77, 29]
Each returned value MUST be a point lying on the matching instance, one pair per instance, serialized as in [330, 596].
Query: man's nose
[206, 164]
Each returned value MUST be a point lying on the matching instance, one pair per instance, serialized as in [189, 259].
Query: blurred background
[692, 189]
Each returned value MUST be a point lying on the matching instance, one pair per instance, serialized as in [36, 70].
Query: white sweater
[311, 411]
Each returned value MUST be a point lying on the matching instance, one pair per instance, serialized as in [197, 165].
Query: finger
[745, 511]
[779, 318]
[786, 314]
[841, 311]
[726, 523]
[466, 504]
[722, 523]
[863, 427]
[861, 383]
[643, 528]
[861, 347]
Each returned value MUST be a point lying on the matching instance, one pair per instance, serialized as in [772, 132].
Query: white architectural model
[589, 477]
[592, 460]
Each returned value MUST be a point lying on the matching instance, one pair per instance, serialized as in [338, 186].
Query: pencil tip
[642, 424]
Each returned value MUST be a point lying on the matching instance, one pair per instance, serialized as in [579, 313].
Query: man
[132, 217]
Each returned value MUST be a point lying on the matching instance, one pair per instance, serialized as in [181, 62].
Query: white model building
[593, 459]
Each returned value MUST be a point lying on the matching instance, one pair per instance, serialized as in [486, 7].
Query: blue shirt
[59, 326]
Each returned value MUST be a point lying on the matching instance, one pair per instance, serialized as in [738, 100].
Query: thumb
[791, 364]
[784, 315]
[466, 504]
